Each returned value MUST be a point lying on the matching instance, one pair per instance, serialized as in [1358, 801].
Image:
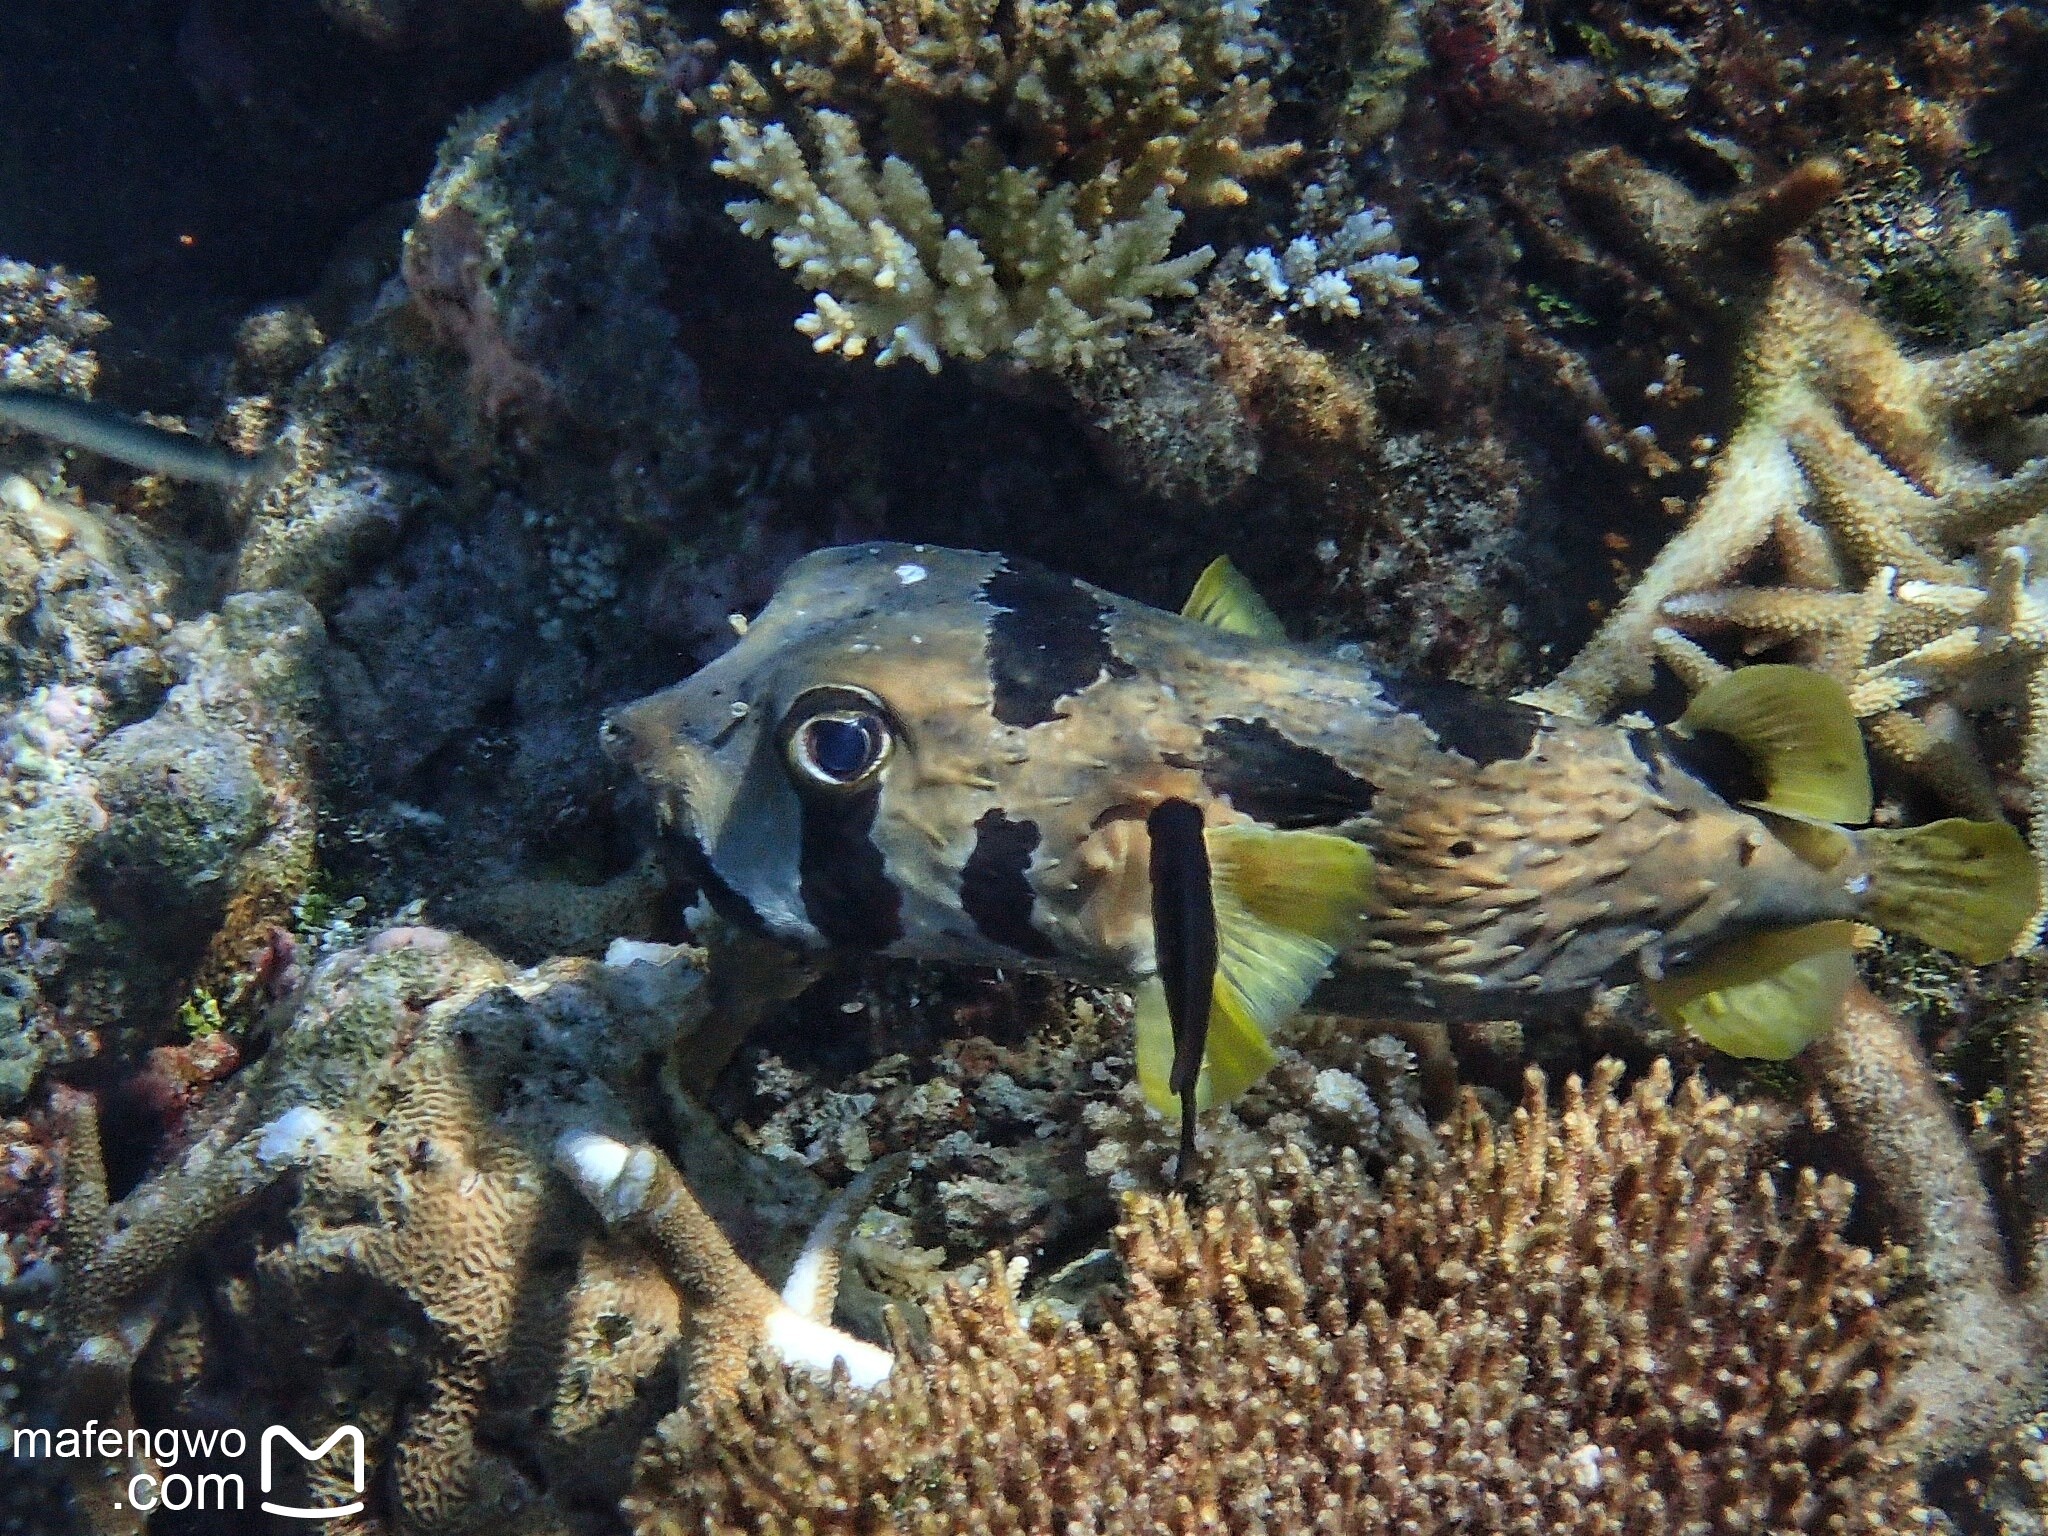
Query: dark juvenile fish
[957, 756]
[116, 435]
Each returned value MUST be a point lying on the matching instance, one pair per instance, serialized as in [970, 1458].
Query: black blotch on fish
[1279, 781]
[842, 876]
[993, 888]
[1048, 641]
[1716, 760]
[1467, 722]
[725, 901]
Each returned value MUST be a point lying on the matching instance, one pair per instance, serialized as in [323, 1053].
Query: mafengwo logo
[153, 1482]
[347, 1432]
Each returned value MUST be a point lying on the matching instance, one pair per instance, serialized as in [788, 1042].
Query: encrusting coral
[1604, 1317]
[1044, 233]
[1884, 485]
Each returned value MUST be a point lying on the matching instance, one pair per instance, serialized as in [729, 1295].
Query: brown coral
[1903, 544]
[1604, 1318]
[430, 1279]
[1981, 1355]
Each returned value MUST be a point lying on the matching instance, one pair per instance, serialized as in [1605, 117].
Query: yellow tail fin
[1800, 736]
[1969, 887]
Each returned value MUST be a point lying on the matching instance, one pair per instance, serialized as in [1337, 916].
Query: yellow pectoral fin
[1969, 887]
[1155, 1047]
[1766, 996]
[1286, 904]
[1798, 731]
[1238, 1053]
[1315, 884]
[1223, 599]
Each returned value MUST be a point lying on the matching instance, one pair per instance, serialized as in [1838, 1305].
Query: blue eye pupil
[841, 749]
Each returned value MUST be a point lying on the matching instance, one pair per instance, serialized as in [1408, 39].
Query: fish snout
[644, 734]
[653, 738]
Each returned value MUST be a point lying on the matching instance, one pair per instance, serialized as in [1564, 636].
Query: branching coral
[1903, 544]
[1604, 1318]
[1046, 231]
[1336, 275]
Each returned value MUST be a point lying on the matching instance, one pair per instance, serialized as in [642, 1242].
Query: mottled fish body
[114, 434]
[957, 756]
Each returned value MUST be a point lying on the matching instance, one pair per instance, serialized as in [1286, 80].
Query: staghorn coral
[1566, 343]
[1898, 518]
[1046, 232]
[117, 1255]
[1605, 1317]
[1335, 275]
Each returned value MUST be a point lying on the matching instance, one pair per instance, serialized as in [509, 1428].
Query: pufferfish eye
[836, 737]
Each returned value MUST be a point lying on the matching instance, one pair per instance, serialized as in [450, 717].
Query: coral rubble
[1603, 1317]
[46, 319]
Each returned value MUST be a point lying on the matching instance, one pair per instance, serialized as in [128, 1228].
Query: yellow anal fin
[1969, 887]
[1768, 995]
[1796, 729]
[1223, 599]
[1286, 904]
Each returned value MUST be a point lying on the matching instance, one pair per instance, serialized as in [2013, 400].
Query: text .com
[154, 1481]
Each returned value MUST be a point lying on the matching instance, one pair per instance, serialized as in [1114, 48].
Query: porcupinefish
[964, 757]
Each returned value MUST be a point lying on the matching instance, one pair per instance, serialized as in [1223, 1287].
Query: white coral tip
[294, 1136]
[814, 1346]
[611, 1175]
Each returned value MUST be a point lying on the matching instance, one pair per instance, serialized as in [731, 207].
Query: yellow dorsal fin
[1767, 995]
[1796, 729]
[1286, 904]
[1969, 887]
[1224, 599]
